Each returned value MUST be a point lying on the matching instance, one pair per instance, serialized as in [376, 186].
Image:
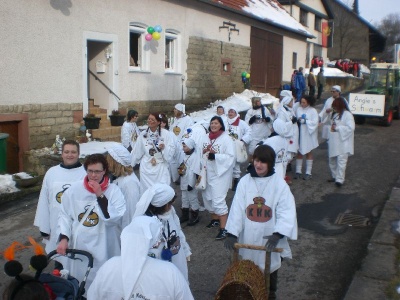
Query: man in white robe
[266, 192]
[260, 120]
[56, 181]
[181, 121]
[134, 274]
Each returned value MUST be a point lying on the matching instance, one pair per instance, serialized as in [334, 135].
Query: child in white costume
[129, 130]
[157, 201]
[188, 170]
[263, 190]
[136, 275]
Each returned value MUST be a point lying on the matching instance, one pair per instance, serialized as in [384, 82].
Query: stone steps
[106, 132]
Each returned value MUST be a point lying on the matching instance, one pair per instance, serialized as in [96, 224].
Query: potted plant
[91, 121]
[116, 118]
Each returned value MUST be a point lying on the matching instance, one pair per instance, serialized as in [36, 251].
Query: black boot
[193, 217]
[185, 215]
[235, 183]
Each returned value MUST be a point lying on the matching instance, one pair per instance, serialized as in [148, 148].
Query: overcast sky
[375, 10]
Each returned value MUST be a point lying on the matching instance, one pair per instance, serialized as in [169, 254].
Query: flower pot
[117, 120]
[92, 123]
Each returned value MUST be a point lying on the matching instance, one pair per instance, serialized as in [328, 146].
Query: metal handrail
[97, 78]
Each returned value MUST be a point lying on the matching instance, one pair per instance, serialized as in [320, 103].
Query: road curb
[379, 266]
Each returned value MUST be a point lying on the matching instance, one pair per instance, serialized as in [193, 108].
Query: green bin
[3, 152]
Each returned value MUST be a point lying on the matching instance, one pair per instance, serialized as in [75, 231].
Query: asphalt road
[325, 256]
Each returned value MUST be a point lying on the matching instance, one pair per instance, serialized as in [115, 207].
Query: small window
[138, 58]
[226, 66]
[294, 60]
[171, 51]
[303, 17]
[317, 50]
[317, 24]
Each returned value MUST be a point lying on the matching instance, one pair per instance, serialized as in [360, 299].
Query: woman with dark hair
[341, 139]
[154, 150]
[90, 217]
[157, 202]
[219, 158]
[307, 118]
[263, 208]
[130, 130]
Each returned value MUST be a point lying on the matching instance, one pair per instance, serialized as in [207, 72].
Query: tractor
[382, 96]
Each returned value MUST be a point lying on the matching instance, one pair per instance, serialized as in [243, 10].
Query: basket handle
[238, 246]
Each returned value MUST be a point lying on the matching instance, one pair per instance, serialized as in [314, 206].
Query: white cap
[180, 107]
[337, 88]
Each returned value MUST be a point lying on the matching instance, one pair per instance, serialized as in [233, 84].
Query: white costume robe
[171, 285]
[260, 130]
[219, 173]
[278, 215]
[242, 131]
[180, 125]
[308, 139]
[197, 132]
[129, 134]
[159, 172]
[56, 181]
[177, 158]
[286, 114]
[280, 146]
[179, 259]
[323, 115]
[340, 143]
[193, 165]
[97, 235]
[130, 188]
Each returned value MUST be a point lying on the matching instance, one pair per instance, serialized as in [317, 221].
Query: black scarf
[76, 165]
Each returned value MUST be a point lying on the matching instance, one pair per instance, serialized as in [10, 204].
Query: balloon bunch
[153, 33]
[246, 79]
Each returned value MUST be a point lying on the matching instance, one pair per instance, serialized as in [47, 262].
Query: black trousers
[273, 285]
[320, 90]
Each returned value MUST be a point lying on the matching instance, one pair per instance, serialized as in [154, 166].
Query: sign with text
[367, 104]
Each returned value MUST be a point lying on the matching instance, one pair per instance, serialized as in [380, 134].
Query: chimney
[355, 7]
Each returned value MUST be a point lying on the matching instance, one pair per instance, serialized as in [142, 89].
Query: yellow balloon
[247, 75]
[156, 35]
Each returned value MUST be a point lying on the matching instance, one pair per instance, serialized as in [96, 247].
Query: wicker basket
[243, 281]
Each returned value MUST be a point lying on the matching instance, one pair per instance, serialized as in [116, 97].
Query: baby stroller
[63, 288]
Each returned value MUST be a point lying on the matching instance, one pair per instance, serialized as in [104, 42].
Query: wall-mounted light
[230, 26]
[107, 53]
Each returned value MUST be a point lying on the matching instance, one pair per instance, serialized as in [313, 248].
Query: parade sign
[367, 104]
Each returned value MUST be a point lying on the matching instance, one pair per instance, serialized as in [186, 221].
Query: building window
[317, 50]
[226, 66]
[317, 24]
[294, 60]
[172, 51]
[303, 17]
[138, 58]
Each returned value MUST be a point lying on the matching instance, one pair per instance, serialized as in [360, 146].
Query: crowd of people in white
[130, 225]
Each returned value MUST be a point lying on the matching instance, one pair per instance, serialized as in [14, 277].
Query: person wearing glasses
[336, 92]
[129, 130]
[90, 218]
[56, 181]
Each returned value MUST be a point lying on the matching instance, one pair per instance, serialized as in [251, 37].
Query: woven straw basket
[243, 281]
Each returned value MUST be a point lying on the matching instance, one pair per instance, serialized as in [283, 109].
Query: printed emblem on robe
[60, 193]
[280, 156]
[259, 212]
[91, 220]
[259, 119]
[232, 133]
[134, 136]
[176, 130]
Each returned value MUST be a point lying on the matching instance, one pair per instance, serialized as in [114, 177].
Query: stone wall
[204, 68]
[47, 120]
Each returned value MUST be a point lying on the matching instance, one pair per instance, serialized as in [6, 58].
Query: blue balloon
[157, 28]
